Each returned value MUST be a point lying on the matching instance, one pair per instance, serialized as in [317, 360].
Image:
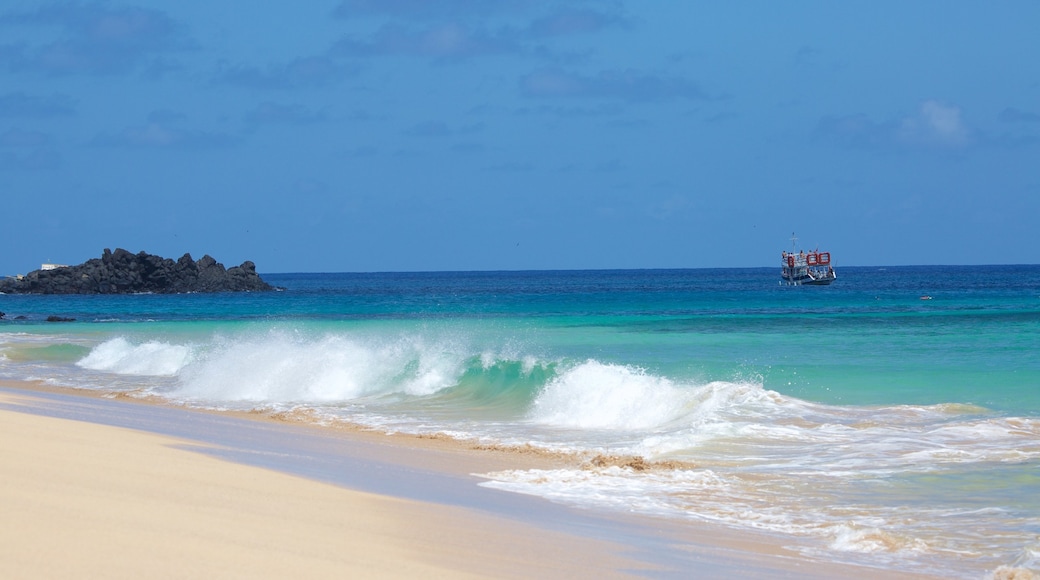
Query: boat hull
[804, 279]
[822, 282]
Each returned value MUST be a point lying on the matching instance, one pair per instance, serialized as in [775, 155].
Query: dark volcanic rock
[60, 319]
[121, 272]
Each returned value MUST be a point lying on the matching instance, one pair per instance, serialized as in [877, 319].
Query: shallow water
[884, 428]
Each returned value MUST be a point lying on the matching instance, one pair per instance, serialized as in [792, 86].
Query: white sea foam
[775, 505]
[611, 487]
[743, 423]
[775, 463]
[612, 407]
[595, 395]
[152, 358]
[869, 540]
[283, 367]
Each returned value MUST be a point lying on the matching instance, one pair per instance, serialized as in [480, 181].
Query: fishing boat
[798, 268]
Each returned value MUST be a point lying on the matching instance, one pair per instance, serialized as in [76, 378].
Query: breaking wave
[751, 457]
[119, 356]
[590, 404]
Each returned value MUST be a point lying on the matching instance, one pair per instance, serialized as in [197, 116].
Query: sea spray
[593, 395]
[152, 358]
[291, 367]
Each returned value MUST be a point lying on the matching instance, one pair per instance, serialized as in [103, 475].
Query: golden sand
[84, 500]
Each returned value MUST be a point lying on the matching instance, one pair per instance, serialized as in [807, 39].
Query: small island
[123, 272]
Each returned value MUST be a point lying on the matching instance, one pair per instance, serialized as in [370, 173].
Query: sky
[417, 135]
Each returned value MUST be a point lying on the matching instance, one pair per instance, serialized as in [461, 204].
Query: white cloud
[935, 124]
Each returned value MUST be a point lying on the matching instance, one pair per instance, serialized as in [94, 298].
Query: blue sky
[379, 135]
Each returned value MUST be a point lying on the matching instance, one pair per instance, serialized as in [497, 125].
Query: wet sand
[96, 487]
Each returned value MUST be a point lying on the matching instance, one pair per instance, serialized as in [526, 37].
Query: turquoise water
[859, 420]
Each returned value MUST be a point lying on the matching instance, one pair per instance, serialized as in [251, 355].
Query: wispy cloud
[314, 71]
[936, 125]
[461, 29]
[444, 41]
[571, 21]
[429, 129]
[274, 113]
[1013, 115]
[162, 131]
[933, 125]
[21, 105]
[855, 130]
[1019, 129]
[431, 9]
[627, 85]
[27, 150]
[511, 167]
[362, 151]
[93, 39]
[439, 129]
[672, 206]
[594, 110]
[18, 138]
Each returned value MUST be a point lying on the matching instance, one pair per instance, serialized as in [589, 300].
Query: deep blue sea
[891, 418]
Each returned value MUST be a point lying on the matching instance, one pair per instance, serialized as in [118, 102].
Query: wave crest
[595, 395]
[282, 367]
[152, 358]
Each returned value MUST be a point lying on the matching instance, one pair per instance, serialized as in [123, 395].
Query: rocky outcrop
[121, 272]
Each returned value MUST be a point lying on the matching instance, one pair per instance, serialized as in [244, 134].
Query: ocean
[890, 419]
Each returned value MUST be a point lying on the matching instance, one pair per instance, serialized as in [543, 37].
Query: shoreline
[94, 499]
[427, 482]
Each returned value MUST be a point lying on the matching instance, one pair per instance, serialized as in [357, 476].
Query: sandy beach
[96, 487]
[90, 500]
